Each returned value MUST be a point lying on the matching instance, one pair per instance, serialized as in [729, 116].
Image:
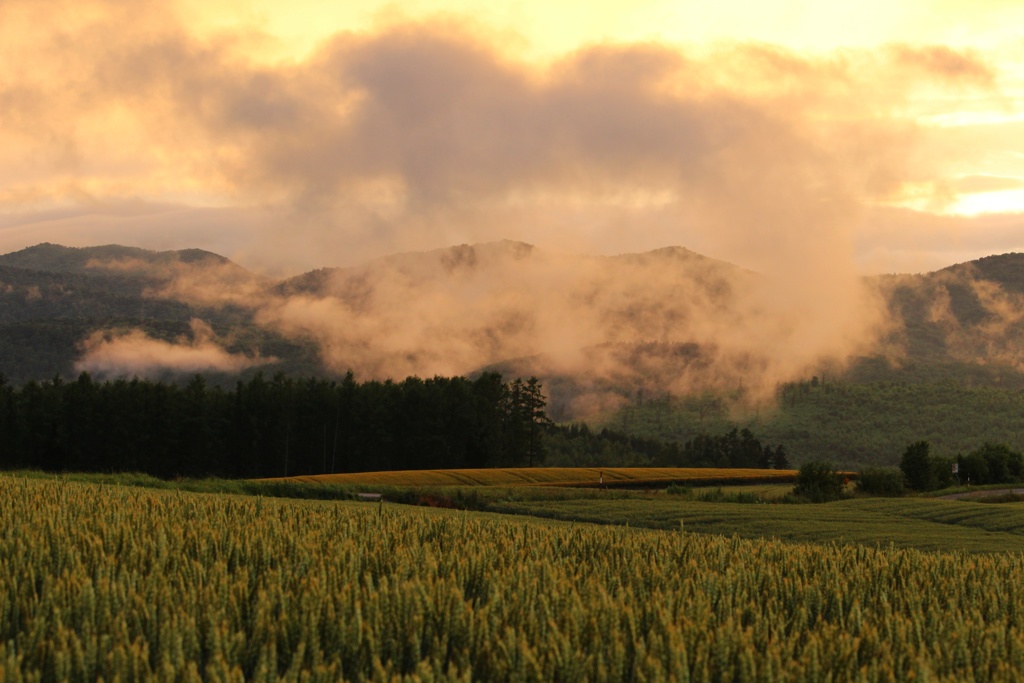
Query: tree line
[919, 470]
[576, 445]
[271, 427]
[991, 463]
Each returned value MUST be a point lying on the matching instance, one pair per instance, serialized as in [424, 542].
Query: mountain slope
[666, 343]
[668, 320]
[963, 323]
[53, 299]
[460, 309]
[54, 258]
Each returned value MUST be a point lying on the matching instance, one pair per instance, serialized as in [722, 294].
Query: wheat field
[113, 583]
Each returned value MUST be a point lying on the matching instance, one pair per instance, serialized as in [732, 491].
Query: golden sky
[547, 29]
[870, 136]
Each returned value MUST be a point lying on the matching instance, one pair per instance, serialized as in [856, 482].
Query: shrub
[880, 481]
[679, 490]
[818, 482]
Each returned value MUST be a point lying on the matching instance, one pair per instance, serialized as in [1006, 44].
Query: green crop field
[118, 583]
[550, 476]
[923, 523]
[766, 492]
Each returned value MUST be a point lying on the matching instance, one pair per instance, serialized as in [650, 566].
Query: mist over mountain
[57, 302]
[599, 330]
[964, 323]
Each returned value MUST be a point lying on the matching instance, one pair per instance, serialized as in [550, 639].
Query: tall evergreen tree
[917, 468]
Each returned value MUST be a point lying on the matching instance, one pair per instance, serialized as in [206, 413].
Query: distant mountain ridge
[458, 263]
[1005, 269]
[54, 258]
[466, 257]
[957, 322]
[53, 298]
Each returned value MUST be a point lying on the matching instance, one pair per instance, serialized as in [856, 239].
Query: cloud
[663, 321]
[420, 135]
[131, 353]
[945, 62]
[986, 183]
[195, 277]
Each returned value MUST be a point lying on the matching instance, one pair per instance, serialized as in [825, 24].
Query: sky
[790, 137]
[808, 143]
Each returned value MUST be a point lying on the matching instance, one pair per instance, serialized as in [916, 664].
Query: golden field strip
[552, 476]
[116, 583]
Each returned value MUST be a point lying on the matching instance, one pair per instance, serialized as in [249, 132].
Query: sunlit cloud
[809, 144]
[391, 131]
[129, 353]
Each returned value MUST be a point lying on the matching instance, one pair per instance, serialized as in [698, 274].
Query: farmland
[568, 494]
[130, 583]
[552, 476]
[925, 524]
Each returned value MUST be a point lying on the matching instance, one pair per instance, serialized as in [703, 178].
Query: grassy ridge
[550, 476]
[926, 524]
[135, 584]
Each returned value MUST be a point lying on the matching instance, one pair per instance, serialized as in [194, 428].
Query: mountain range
[598, 330]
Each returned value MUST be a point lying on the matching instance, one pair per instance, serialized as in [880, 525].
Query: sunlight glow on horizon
[547, 29]
[980, 203]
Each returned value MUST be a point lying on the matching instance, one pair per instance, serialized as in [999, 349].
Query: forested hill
[133, 261]
[959, 328]
[964, 323]
[464, 307]
[52, 298]
[1005, 269]
[851, 424]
